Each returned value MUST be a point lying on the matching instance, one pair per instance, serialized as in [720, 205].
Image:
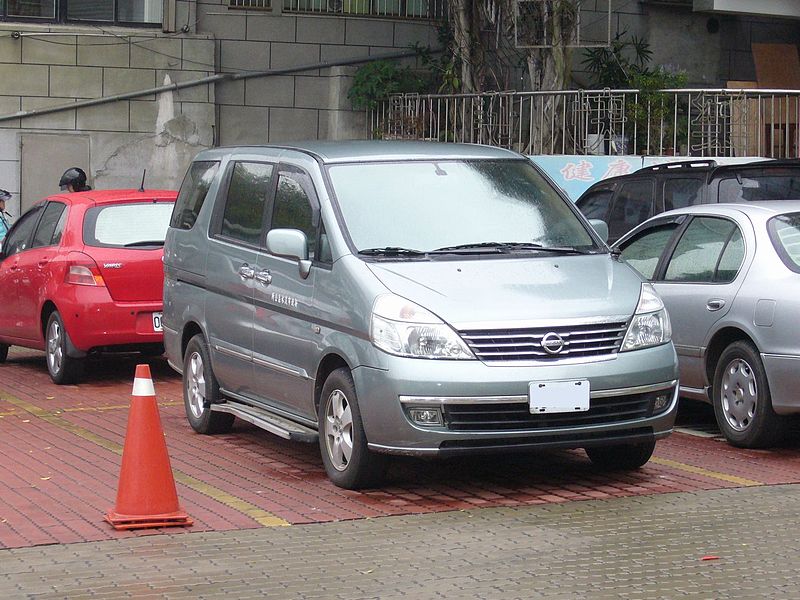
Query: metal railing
[403, 9]
[687, 122]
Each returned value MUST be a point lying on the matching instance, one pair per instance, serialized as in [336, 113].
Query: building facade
[128, 89]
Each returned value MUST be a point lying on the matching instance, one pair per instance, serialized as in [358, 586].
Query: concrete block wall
[57, 65]
[307, 105]
[712, 48]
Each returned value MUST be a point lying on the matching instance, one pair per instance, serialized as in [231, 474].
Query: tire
[63, 368]
[624, 457]
[343, 443]
[741, 399]
[201, 390]
[4, 352]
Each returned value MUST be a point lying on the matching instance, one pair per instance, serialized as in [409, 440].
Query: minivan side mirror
[601, 227]
[290, 243]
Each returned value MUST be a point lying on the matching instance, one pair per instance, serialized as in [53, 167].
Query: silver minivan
[408, 298]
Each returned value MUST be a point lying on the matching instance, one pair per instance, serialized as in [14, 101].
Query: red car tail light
[82, 270]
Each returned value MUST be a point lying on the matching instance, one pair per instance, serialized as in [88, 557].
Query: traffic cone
[146, 496]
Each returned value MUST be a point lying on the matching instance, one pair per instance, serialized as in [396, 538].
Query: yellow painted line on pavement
[110, 407]
[705, 472]
[260, 516]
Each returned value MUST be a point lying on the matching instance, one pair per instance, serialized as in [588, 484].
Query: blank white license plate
[157, 321]
[558, 396]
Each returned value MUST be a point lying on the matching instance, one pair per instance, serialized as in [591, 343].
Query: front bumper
[485, 408]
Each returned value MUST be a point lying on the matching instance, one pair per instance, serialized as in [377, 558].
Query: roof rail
[683, 165]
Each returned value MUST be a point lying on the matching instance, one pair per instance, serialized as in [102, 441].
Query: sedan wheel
[738, 394]
[742, 401]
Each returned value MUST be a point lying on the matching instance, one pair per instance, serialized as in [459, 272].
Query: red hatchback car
[82, 273]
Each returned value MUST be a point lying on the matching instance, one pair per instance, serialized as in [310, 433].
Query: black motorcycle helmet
[74, 176]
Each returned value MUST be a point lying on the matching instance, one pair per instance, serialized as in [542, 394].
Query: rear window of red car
[131, 225]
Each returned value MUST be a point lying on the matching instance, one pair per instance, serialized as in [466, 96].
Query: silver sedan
[729, 275]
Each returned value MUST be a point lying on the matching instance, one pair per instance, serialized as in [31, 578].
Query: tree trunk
[466, 32]
[550, 69]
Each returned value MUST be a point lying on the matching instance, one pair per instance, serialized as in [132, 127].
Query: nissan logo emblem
[552, 343]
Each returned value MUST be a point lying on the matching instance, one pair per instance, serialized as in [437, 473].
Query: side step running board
[288, 430]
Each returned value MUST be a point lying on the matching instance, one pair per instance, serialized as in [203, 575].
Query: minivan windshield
[416, 207]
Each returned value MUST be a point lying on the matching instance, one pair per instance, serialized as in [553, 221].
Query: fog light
[660, 403]
[425, 416]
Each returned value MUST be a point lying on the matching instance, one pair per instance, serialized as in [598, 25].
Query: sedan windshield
[470, 207]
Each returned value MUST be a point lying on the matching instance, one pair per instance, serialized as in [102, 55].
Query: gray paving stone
[644, 548]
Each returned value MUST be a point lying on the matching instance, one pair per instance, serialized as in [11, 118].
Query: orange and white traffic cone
[146, 496]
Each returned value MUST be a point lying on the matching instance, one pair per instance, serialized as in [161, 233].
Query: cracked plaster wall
[160, 133]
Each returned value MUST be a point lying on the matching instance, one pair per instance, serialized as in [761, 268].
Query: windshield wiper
[507, 247]
[391, 251]
[145, 243]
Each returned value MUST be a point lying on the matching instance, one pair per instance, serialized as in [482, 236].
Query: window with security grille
[121, 12]
[251, 4]
[409, 9]
[549, 23]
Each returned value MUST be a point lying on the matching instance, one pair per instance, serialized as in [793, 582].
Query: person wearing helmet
[73, 180]
[4, 224]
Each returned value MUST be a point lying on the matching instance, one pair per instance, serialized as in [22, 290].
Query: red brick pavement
[60, 455]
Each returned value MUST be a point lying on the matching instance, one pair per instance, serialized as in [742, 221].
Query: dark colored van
[625, 201]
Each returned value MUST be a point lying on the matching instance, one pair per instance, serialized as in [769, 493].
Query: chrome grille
[597, 339]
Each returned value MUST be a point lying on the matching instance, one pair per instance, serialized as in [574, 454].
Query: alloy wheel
[196, 385]
[338, 430]
[55, 347]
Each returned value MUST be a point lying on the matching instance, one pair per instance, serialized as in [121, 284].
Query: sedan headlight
[403, 328]
[650, 325]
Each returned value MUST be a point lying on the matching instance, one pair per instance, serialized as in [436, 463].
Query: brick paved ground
[61, 446]
[635, 548]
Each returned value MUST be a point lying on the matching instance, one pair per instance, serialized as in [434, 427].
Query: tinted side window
[680, 192]
[645, 250]
[18, 238]
[595, 204]
[731, 259]
[243, 217]
[193, 192]
[699, 250]
[293, 208]
[752, 187]
[51, 226]
[632, 206]
[324, 254]
[730, 191]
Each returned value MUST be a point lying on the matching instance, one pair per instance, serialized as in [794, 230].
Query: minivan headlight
[404, 328]
[650, 325]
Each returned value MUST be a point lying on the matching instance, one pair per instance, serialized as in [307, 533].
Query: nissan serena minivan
[408, 298]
